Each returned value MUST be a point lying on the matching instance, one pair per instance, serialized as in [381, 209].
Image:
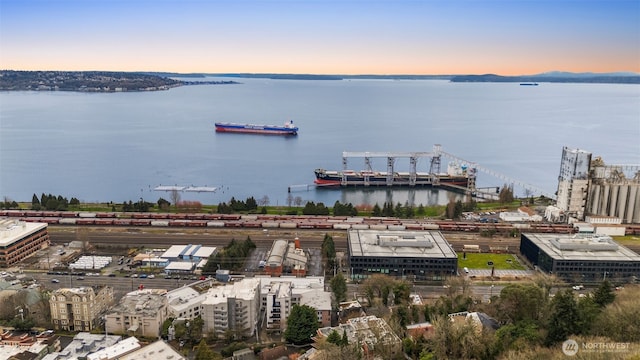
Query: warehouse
[407, 254]
[581, 258]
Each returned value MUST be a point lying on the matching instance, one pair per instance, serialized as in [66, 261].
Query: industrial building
[286, 257]
[588, 186]
[581, 258]
[79, 309]
[412, 254]
[20, 239]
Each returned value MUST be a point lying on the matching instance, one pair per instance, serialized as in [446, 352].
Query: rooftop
[116, 350]
[188, 251]
[372, 243]
[144, 302]
[244, 289]
[582, 247]
[158, 350]
[12, 230]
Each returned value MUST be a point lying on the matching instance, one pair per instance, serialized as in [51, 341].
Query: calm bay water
[119, 146]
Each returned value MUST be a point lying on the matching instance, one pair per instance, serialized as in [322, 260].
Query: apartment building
[232, 307]
[139, 313]
[79, 309]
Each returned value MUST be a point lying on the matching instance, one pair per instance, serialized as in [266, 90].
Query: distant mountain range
[552, 76]
[556, 77]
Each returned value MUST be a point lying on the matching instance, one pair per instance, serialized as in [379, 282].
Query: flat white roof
[158, 350]
[296, 282]
[180, 265]
[116, 350]
[12, 230]
[581, 247]
[316, 298]
[244, 289]
[188, 251]
[387, 243]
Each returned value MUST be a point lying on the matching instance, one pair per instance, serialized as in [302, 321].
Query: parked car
[55, 281]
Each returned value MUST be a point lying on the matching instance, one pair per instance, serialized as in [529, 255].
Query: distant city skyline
[430, 37]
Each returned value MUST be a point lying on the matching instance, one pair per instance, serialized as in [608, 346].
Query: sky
[429, 37]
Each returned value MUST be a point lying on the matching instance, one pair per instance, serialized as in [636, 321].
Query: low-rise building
[117, 350]
[82, 345]
[139, 313]
[372, 333]
[286, 257]
[581, 258]
[20, 239]
[417, 254]
[17, 345]
[158, 350]
[79, 309]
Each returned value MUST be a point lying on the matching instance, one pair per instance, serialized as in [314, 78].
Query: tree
[520, 302]
[302, 324]
[328, 251]
[564, 317]
[620, 321]
[604, 295]
[376, 210]
[35, 202]
[263, 201]
[339, 288]
[203, 352]
[175, 197]
[506, 194]
[334, 337]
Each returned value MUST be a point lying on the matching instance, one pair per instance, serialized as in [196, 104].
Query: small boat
[287, 129]
[529, 84]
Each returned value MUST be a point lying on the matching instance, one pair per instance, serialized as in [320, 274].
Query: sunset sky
[507, 37]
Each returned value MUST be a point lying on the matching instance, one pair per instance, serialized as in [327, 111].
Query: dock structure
[433, 178]
[185, 188]
[467, 171]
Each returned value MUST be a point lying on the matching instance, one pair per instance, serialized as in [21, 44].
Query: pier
[461, 174]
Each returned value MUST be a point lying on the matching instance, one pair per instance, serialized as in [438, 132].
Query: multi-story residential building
[280, 294]
[139, 313]
[79, 309]
[232, 307]
[185, 302]
[19, 240]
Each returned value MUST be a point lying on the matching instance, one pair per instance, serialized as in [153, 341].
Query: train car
[141, 222]
[103, 221]
[197, 223]
[230, 217]
[211, 216]
[233, 223]
[122, 221]
[106, 215]
[68, 214]
[85, 221]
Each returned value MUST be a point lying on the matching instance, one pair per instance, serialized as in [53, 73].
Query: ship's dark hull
[335, 178]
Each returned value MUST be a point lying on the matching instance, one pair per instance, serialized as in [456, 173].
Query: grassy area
[479, 261]
[627, 239]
